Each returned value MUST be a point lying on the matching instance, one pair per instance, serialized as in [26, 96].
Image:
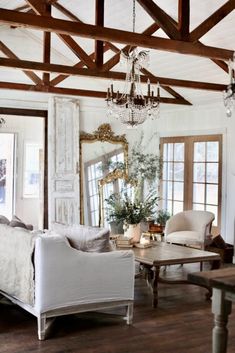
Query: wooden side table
[223, 284]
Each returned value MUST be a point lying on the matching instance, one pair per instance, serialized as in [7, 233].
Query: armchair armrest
[65, 276]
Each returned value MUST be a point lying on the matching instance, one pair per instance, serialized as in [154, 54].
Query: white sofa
[60, 279]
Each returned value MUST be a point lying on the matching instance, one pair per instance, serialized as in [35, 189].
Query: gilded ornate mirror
[101, 153]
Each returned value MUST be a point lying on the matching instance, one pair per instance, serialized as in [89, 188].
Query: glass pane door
[7, 142]
[173, 177]
[206, 177]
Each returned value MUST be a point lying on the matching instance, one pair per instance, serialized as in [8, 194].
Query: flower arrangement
[121, 208]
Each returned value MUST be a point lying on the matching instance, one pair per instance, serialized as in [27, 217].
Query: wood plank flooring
[181, 324]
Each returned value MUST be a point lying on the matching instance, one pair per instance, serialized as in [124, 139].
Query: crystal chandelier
[131, 107]
[229, 93]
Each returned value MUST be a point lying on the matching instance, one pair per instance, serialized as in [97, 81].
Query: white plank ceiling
[27, 44]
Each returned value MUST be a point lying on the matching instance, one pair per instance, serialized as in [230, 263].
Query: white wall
[27, 129]
[174, 120]
[178, 121]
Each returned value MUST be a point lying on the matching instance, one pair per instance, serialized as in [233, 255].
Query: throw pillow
[17, 222]
[84, 238]
[4, 220]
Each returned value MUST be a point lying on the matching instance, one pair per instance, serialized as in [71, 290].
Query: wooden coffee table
[162, 254]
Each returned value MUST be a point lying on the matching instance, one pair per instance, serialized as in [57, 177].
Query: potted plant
[121, 208]
[162, 218]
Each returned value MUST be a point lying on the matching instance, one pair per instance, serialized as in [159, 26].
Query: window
[94, 171]
[192, 174]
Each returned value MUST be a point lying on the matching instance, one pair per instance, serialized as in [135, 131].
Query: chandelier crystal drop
[131, 106]
[229, 93]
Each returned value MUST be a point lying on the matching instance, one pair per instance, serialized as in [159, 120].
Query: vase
[132, 231]
[116, 228]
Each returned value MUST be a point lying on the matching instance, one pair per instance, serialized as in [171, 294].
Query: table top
[223, 278]
[168, 254]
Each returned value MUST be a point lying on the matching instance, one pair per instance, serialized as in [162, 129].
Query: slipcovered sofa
[48, 276]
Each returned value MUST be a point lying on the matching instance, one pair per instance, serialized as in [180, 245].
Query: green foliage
[121, 208]
[162, 217]
[144, 166]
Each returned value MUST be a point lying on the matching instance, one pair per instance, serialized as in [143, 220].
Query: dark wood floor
[181, 324]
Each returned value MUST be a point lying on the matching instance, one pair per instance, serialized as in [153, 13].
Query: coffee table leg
[156, 271]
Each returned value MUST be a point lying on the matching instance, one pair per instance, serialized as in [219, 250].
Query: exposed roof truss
[37, 15]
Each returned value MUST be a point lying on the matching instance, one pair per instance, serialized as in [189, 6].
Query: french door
[192, 174]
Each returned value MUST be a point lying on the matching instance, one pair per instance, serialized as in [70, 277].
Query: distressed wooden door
[63, 160]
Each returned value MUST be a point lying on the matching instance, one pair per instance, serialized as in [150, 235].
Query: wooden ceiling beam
[221, 64]
[21, 8]
[11, 55]
[72, 91]
[165, 87]
[68, 41]
[66, 12]
[77, 50]
[72, 17]
[71, 70]
[38, 6]
[184, 18]
[46, 45]
[21, 19]
[115, 59]
[24, 112]
[80, 64]
[99, 21]
[160, 17]
[212, 20]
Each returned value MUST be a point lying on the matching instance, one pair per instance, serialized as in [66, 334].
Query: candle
[144, 241]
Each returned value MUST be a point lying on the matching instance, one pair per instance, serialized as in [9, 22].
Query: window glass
[212, 173]
[199, 172]
[198, 193]
[179, 171]
[212, 151]
[179, 152]
[199, 151]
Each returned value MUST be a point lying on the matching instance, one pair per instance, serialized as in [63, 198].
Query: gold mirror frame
[104, 133]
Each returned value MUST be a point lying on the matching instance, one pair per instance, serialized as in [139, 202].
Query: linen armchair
[190, 228]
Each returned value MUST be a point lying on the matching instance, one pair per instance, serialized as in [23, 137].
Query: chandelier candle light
[131, 107]
[229, 93]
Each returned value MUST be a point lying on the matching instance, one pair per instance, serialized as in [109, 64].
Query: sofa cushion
[184, 237]
[4, 220]
[84, 238]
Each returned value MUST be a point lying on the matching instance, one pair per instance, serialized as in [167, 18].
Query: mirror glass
[116, 182]
[101, 153]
